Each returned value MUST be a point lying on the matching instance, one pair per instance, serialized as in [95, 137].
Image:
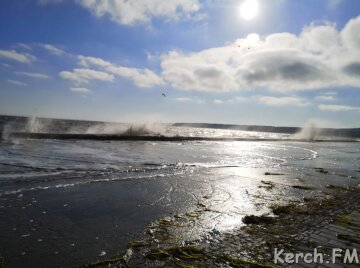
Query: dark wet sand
[76, 224]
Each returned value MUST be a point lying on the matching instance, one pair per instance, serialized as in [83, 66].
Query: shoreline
[122, 137]
[301, 226]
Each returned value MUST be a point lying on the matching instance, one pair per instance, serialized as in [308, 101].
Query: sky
[264, 62]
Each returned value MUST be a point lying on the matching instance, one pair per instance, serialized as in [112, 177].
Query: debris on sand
[258, 219]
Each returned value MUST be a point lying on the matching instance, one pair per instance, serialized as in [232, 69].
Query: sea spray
[127, 129]
[36, 125]
[309, 132]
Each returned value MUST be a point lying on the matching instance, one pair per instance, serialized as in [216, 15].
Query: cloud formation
[144, 78]
[33, 75]
[53, 49]
[83, 76]
[17, 56]
[79, 90]
[139, 11]
[319, 57]
[282, 101]
[141, 77]
[338, 108]
[15, 82]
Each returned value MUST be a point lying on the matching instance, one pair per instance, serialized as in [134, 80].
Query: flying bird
[163, 95]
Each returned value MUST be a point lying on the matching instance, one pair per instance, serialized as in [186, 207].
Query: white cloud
[217, 101]
[195, 100]
[82, 75]
[34, 75]
[80, 90]
[15, 82]
[141, 77]
[183, 99]
[17, 56]
[319, 57]
[5, 65]
[351, 35]
[338, 108]
[139, 11]
[24, 46]
[325, 98]
[53, 49]
[282, 101]
[88, 61]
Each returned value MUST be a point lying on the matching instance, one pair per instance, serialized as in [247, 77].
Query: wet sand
[75, 226]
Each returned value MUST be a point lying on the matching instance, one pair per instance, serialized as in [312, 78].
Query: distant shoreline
[109, 137]
[334, 132]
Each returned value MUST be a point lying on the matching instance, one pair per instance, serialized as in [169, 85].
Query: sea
[66, 201]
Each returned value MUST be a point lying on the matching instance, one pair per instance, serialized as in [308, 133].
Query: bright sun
[249, 9]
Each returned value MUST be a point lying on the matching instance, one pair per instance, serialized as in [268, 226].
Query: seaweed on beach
[346, 220]
[189, 252]
[301, 187]
[251, 219]
[106, 262]
[321, 170]
[268, 185]
[136, 244]
[273, 174]
[287, 209]
[343, 219]
[336, 187]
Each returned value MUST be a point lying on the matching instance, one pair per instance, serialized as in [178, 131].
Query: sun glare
[249, 9]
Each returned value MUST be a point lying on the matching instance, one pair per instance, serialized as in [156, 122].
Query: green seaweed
[181, 264]
[287, 209]
[189, 252]
[343, 219]
[346, 220]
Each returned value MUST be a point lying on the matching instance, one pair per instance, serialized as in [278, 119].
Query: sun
[249, 9]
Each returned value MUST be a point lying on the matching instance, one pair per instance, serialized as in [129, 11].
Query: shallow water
[62, 203]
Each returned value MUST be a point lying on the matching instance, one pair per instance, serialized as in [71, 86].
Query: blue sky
[293, 62]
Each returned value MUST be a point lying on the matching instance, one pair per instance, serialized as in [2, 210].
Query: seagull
[163, 95]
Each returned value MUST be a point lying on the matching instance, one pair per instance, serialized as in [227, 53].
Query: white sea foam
[309, 132]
